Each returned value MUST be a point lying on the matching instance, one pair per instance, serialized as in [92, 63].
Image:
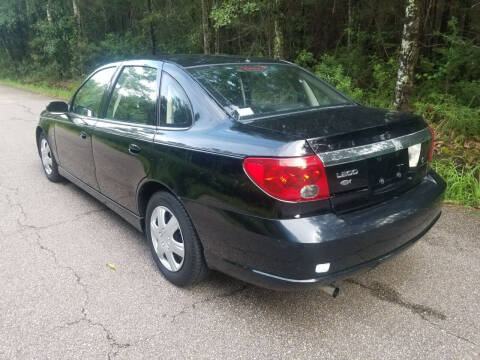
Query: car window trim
[120, 122]
[175, 128]
[114, 84]
[72, 101]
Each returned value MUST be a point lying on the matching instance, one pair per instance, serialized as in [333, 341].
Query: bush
[448, 115]
[51, 49]
[463, 182]
[333, 72]
[329, 69]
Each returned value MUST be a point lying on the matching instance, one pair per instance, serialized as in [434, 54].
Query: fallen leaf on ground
[111, 266]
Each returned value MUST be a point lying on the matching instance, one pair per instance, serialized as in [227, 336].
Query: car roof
[191, 60]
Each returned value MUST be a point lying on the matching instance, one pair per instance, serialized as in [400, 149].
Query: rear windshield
[259, 89]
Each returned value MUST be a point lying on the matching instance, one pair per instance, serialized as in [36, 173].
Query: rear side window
[135, 96]
[88, 100]
[175, 108]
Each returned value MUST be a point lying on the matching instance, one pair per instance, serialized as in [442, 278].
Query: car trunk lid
[364, 150]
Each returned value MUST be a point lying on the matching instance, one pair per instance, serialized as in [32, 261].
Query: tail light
[289, 179]
[432, 144]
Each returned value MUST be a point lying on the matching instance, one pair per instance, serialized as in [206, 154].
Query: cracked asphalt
[60, 300]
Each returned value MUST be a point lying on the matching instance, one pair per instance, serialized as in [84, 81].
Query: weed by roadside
[62, 91]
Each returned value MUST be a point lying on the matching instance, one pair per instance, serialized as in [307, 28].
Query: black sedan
[253, 167]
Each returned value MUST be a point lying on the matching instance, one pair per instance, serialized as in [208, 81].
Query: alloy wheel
[46, 155]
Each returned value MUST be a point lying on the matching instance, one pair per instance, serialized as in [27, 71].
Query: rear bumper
[283, 254]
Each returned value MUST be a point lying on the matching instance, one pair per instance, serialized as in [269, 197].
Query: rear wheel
[173, 241]
[48, 160]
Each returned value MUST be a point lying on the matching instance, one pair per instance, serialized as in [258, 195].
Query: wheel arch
[38, 131]
[145, 191]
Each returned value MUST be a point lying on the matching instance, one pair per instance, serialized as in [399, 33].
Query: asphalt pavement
[59, 299]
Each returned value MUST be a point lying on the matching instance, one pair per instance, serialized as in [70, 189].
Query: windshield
[260, 89]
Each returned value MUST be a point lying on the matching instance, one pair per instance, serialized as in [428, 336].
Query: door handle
[134, 149]
[83, 134]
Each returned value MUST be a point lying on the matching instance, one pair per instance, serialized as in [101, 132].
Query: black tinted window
[175, 108]
[257, 89]
[135, 95]
[89, 98]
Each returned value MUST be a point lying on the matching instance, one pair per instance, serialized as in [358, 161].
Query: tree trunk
[151, 29]
[77, 15]
[278, 33]
[207, 35]
[217, 40]
[105, 18]
[27, 9]
[408, 57]
[349, 31]
[7, 50]
[216, 33]
[49, 11]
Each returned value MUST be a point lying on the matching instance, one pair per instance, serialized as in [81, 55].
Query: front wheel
[48, 160]
[174, 244]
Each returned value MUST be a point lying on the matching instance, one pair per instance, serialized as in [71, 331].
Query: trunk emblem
[347, 173]
[346, 182]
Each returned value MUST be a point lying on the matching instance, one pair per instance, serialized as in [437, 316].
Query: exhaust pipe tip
[331, 290]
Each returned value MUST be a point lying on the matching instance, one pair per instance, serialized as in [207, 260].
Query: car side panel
[73, 136]
[118, 170]
[46, 124]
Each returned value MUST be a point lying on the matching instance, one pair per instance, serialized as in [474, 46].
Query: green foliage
[455, 68]
[119, 46]
[381, 91]
[226, 12]
[449, 115]
[330, 70]
[463, 182]
[334, 73]
[53, 48]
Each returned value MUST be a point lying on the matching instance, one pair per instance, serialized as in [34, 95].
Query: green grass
[64, 93]
[463, 182]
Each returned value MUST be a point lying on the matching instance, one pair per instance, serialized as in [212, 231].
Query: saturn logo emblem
[346, 182]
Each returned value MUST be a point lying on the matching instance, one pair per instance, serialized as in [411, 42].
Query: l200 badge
[347, 173]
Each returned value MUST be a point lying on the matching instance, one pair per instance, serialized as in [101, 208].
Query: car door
[122, 140]
[74, 130]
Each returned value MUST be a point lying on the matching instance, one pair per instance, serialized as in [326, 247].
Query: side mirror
[57, 107]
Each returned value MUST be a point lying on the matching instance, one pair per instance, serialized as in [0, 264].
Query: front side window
[135, 95]
[175, 110]
[88, 100]
[259, 89]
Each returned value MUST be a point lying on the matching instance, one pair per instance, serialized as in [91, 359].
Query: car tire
[169, 230]
[50, 166]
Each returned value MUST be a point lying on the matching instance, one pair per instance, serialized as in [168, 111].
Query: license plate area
[387, 171]
[379, 179]
[347, 177]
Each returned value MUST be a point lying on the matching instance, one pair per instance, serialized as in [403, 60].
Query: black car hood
[329, 122]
